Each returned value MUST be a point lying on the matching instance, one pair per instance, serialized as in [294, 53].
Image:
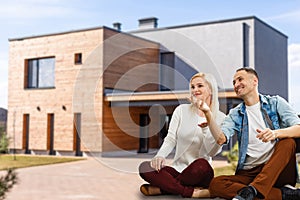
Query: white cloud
[3, 79]
[294, 56]
[290, 16]
[295, 97]
[294, 71]
[3, 94]
[29, 9]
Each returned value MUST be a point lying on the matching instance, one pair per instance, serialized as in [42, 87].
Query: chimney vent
[148, 23]
[117, 26]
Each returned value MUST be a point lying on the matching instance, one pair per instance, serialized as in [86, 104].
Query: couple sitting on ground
[265, 127]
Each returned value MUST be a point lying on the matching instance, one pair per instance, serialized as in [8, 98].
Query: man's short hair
[248, 70]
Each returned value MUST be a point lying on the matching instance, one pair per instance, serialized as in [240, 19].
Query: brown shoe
[150, 190]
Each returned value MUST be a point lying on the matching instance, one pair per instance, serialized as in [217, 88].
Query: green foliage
[4, 142]
[232, 155]
[7, 182]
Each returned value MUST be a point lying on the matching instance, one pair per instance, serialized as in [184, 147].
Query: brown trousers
[267, 178]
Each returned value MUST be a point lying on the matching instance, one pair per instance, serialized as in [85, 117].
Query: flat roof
[150, 29]
[207, 23]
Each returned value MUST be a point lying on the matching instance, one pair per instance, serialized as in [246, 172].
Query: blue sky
[21, 18]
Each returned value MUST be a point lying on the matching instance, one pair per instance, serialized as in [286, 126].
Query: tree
[4, 142]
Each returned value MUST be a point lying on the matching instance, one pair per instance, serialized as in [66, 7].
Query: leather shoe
[290, 193]
[150, 190]
[246, 193]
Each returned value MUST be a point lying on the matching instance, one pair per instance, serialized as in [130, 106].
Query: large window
[167, 61]
[40, 73]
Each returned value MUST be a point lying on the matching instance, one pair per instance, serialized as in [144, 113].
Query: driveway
[91, 179]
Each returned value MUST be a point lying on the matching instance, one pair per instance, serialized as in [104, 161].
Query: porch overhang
[156, 97]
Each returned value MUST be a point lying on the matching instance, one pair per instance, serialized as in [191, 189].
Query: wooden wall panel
[121, 131]
[130, 63]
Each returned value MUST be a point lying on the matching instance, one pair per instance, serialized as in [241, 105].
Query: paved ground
[91, 179]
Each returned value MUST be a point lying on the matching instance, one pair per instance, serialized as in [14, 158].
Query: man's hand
[266, 135]
[157, 163]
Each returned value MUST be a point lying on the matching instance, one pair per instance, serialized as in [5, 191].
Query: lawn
[21, 161]
[227, 170]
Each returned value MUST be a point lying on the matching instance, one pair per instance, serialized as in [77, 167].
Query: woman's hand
[157, 163]
[201, 105]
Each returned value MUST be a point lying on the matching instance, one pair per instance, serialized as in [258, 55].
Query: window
[78, 58]
[167, 61]
[40, 73]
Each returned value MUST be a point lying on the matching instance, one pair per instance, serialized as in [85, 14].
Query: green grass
[227, 170]
[20, 161]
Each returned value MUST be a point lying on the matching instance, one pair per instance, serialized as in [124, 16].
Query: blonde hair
[212, 83]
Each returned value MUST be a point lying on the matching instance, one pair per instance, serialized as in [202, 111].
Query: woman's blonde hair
[212, 83]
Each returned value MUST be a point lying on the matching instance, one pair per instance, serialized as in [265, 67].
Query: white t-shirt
[190, 140]
[258, 152]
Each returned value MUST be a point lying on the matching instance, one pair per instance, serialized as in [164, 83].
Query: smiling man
[265, 126]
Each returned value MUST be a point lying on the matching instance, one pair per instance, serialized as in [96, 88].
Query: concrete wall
[223, 46]
[271, 60]
[208, 48]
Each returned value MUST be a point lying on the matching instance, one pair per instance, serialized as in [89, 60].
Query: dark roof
[79, 30]
[207, 23]
[60, 33]
[151, 29]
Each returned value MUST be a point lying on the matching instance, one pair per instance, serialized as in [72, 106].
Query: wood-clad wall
[130, 64]
[121, 127]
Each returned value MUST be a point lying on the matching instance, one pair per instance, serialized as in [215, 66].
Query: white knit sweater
[191, 141]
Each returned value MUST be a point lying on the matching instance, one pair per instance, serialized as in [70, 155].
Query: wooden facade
[72, 117]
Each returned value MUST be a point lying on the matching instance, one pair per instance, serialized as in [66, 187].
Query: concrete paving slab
[91, 179]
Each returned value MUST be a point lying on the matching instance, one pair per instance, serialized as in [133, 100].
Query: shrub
[7, 182]
[232, 155]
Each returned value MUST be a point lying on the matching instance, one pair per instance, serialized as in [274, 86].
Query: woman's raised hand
[201, 105]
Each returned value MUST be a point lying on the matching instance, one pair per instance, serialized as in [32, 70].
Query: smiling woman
[195, 146]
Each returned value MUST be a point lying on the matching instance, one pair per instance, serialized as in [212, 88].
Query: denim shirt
[276, 112]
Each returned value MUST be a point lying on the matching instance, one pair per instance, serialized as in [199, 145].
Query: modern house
[103, 90]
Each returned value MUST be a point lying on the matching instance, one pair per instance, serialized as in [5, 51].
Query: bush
[232, 155]
[7, 182]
